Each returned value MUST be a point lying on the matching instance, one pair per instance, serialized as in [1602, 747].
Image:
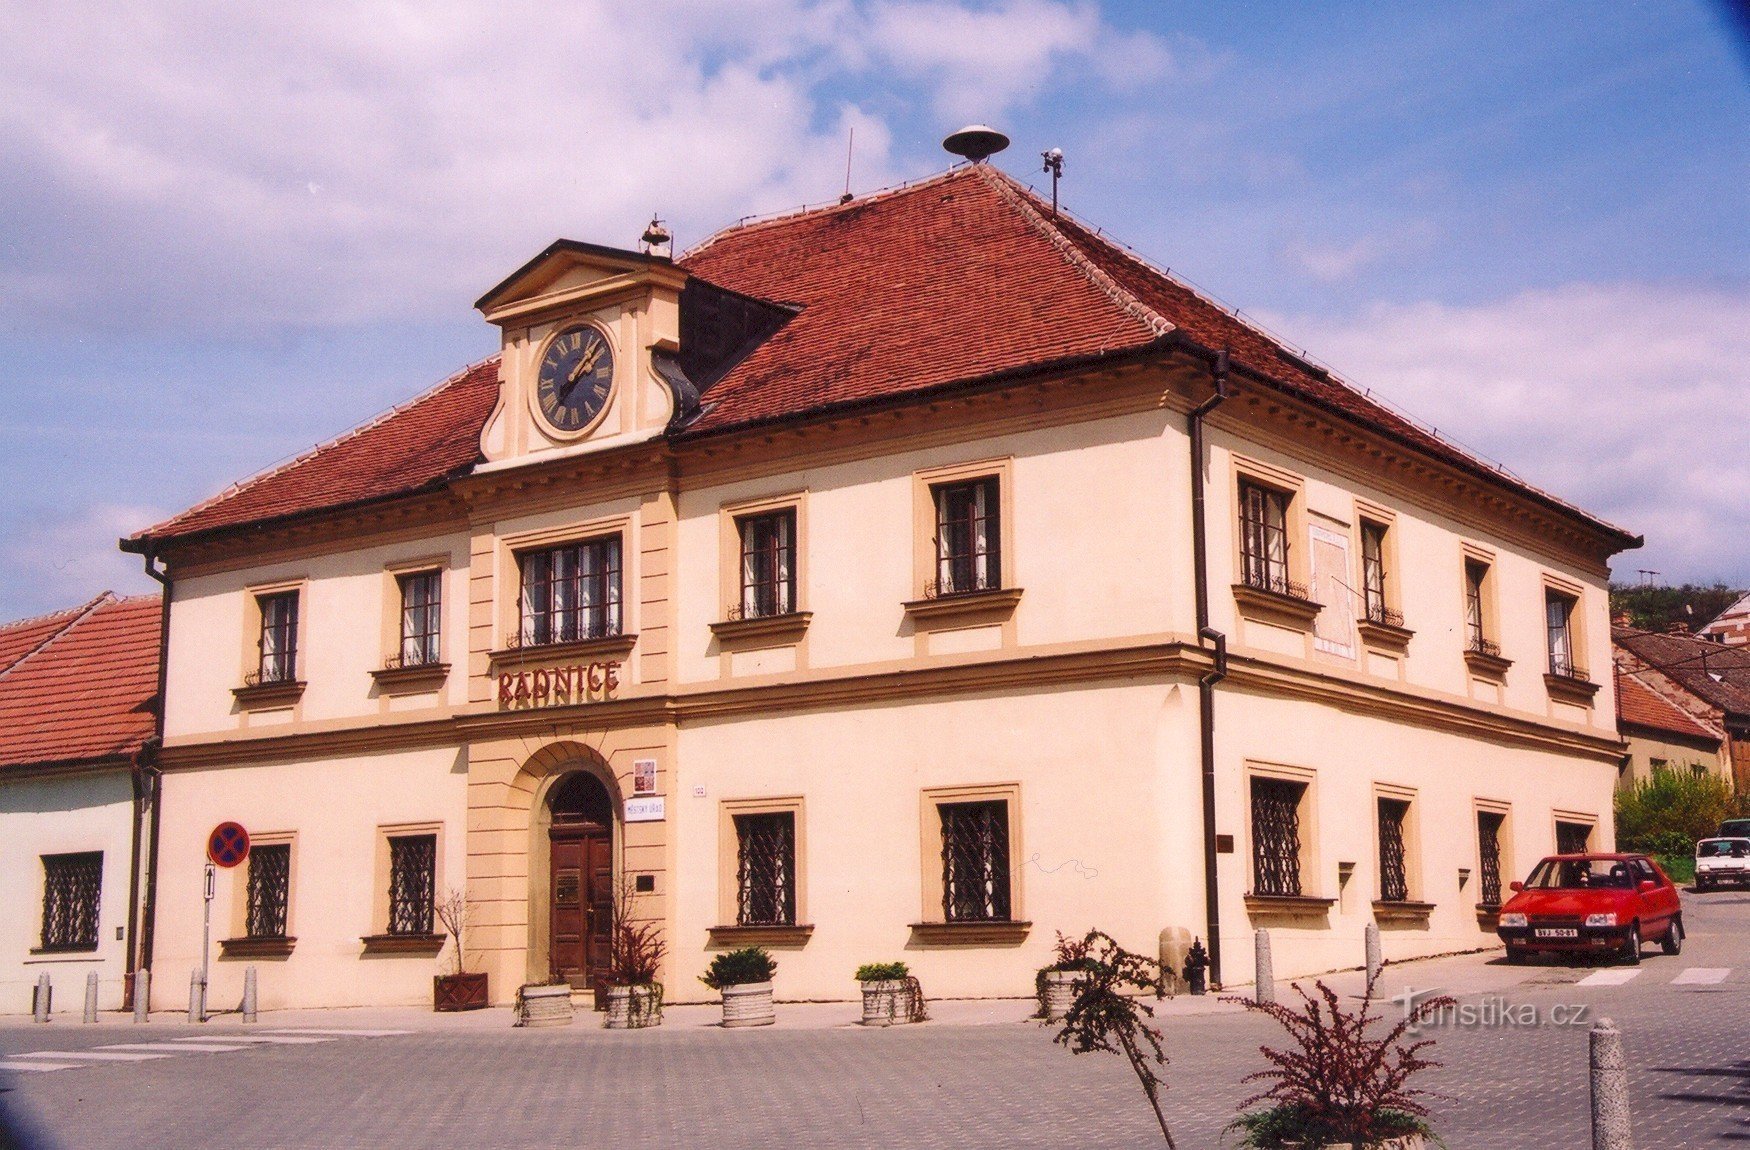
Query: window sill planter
[269, 694]
[1487, 666]
[1289, 611]
[1413, 914]
[1384, 636]
[748, 1004]
[763, 630]
[609, 647]
[965, 609]
[397, 944]
[970, 933]
[411, 680]
[543, 1005]
[456, 992]
[256, 947]
[1569, 689]
[634, 1007]
[775, 934]
[889, 1002]
[1287, 907]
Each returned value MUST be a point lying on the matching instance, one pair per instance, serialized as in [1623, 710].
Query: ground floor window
[71, 886]
[1276, 836]
[1489, 854]
[1573, 838]
[765, 869]
[975, 861]
[1394, 877]
[270, 878]
[412, 883]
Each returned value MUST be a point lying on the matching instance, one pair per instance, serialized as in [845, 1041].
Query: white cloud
[1630, 399]
[50, 563]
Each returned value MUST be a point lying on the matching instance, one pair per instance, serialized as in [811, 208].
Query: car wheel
[1518, 955]
[1702, 884]
[1631, 946]
[1672, 943]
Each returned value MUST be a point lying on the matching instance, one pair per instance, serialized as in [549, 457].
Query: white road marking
[1702, 976]
[212, 1047]
[10, 1065]
[1614, 977]
[341, 1033]
[93, 1055]
[270, 1039]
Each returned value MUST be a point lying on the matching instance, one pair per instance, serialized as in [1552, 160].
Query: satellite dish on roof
[976, 141]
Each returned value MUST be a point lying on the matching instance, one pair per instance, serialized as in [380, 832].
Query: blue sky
[230, 232]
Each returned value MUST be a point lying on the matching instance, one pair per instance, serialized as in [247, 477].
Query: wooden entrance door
[581, 882]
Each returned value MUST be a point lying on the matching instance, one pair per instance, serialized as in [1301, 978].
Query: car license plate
[1558, 932]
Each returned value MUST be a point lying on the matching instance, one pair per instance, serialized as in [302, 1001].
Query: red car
[1592, 904]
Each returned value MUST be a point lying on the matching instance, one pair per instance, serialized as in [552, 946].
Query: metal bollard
[1374, 958]
[197, 1004]
[142, 995]
[1610, 1126]
[249, 994]
[91, 996]
[1265, 989]
[40, 1000]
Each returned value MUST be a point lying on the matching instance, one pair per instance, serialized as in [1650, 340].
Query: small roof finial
[976, 142]
[656, 239]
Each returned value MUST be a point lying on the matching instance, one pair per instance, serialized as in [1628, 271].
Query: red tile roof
[1639, 705]
[958, 278]
[87, 693]
[19, 639]
[1715, 673]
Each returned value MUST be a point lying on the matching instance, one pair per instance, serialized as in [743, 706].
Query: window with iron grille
[1572, 838]
[1558, 612]
[571, 593]
[968, 537]
[279, 637]
[1373, 571]
[1394, 878]
[412, 883]
[768, 564]
[421, 610]
[1489, 854]
[1276, 836]
[975, 861]
[71, 886]
[1475, 639]
[270, 879]
[765, 869]
[1264, 538]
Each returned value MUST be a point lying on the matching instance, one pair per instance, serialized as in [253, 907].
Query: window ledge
[609, 646]
[1486, 665]
[1376, 634]
[1570, 690]
[970, 933]
[1275, 607]
[404, 943]
[772, 629]
[256, 947]
[1287, 906]
[1488, 915]
[774, 934]
[269, 694]
[419, 677]
[64, 951]
[964, 607]
[1401, 913]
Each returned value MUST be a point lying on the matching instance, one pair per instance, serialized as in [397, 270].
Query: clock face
[577, 372]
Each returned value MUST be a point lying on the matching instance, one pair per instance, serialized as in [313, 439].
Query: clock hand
[586, 364]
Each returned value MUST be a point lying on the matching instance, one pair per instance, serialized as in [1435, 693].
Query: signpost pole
[206, 937]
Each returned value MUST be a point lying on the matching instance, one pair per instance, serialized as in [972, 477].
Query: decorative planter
[887, 1002]
[1060, 993]
[633, 1007]
[451, 992]
[544, 1006]
[748, 1004]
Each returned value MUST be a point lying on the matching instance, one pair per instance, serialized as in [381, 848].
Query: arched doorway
[580, 872]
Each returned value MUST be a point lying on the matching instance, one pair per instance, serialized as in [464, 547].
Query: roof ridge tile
[76, 615]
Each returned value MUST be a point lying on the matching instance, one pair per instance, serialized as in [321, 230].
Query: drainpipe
[1218, 672]
[151, 775]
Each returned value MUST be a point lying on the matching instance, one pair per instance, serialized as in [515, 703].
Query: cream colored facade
[1070, 694]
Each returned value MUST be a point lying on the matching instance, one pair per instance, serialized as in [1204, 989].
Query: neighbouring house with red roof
[917, 577]
[78, 707]
[1731, 626]
[1704, 680]
[1659, 734]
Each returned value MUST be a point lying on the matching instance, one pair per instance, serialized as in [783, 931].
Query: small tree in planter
[744, 979]
[635, 953]
[1339, 1085]
[1104, 1017]
[1054, 985]
[457, 990]
[891, 994]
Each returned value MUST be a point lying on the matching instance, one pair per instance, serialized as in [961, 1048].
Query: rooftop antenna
[976, 142]
[1053, 164]
[850, 145]
[656, 240]
[1646, 576]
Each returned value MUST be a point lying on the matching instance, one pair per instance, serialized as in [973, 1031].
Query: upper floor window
[420, 611]
[1476, 574]
[1558, 627]
[1373, 574]
[279, 637]
[1264, 539]
[572, 592]
[71, 886]
[968, 536]
[768, 564]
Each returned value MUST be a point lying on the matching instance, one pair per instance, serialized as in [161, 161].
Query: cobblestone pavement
[979, 1076]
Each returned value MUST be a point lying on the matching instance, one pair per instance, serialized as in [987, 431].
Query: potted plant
[890, 994]
[458, 990]
[635, 952]
[1340, 1085]
[1055, 985]
[744, 978]
[544, 1004]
